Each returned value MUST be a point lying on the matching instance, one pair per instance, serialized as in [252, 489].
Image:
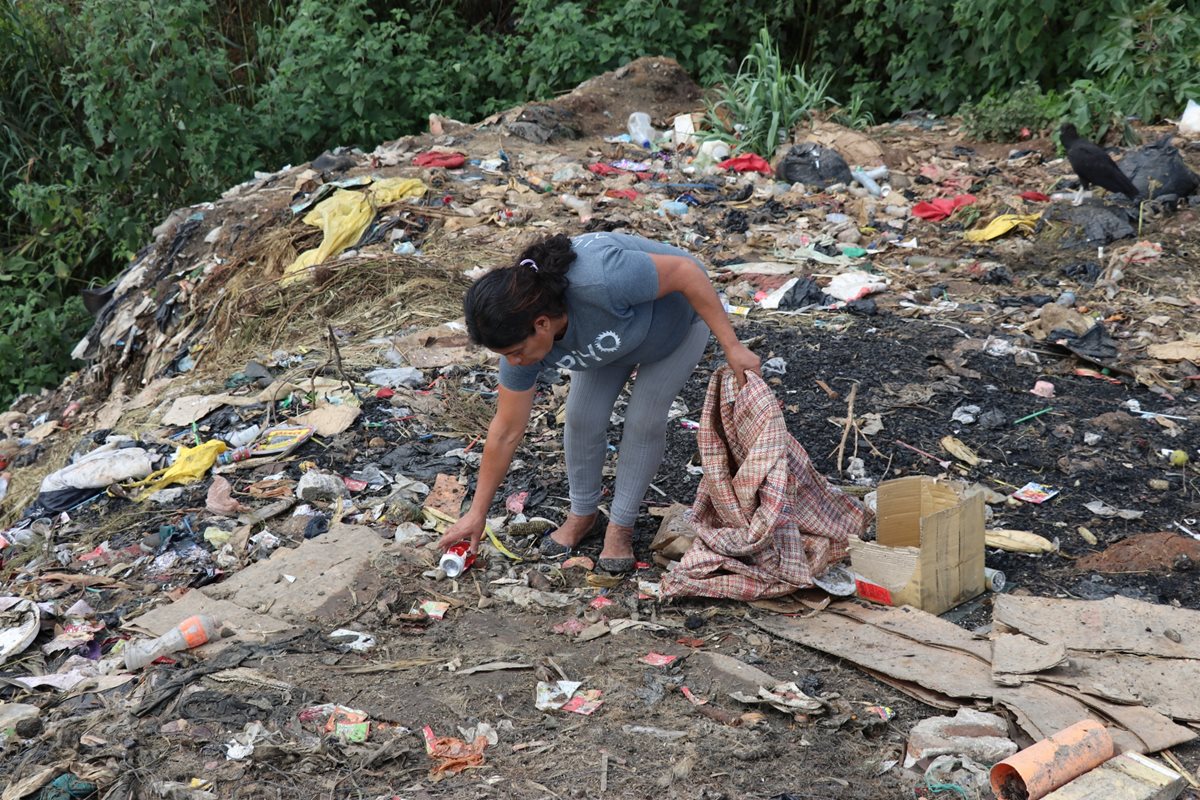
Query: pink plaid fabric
[766, 521]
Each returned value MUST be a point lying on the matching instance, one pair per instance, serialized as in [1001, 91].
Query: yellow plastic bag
[393, 190]
[191, 464]
[344, 216]
[1002, 225]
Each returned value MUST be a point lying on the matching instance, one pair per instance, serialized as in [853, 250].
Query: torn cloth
[766, 521]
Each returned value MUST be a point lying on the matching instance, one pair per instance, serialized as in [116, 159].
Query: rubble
[290, 383]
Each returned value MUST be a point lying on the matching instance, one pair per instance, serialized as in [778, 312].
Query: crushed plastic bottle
[641, 131]
[672, 208]
[456, 560]
[192, 632]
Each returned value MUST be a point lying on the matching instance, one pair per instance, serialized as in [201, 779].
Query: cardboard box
[1129, 776]
[928, 551]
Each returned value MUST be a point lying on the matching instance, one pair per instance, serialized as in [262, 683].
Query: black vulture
[1093, 166]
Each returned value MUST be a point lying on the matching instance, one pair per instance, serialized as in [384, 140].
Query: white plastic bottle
[192, 632]
[577, 204]
[641, 131]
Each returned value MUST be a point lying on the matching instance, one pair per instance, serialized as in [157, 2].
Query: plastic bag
[1189, 123]
[813, 165]
[191, 464]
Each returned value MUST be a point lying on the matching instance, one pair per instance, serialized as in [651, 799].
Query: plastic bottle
[243, 437]
[538, 183]
[457, 560]
[577, 204]
[192, 632]
[640, 130]
[235, 455]
[713, 150]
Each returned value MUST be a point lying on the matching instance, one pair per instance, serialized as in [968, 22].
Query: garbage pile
[217, 570]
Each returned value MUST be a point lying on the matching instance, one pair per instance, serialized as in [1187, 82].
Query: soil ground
[914, 364]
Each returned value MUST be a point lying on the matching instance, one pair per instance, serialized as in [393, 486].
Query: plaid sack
[766, 521]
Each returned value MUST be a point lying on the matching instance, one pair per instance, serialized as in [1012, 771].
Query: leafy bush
[1095, 112]
[40, 328]
[1007, 116]
[1149, 58]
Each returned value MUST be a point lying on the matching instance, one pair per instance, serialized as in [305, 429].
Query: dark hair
[501, 306]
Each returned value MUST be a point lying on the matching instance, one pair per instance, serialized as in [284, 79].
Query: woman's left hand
[742, 360]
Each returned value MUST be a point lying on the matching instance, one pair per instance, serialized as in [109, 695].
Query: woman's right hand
[469, 526]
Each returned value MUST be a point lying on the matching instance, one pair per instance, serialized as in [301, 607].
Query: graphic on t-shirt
[613, 342]
[605, 342]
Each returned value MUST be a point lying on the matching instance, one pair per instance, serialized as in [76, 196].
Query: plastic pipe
[1043, 767]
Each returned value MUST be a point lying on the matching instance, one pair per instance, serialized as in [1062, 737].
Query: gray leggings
[589, 405]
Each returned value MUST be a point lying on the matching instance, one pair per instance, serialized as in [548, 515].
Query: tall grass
[758, 107]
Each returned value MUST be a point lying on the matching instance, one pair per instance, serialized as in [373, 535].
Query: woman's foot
[617, 555]
[567, 536]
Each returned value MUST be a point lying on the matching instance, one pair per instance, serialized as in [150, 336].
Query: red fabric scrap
[940, 208]
[603, 170]
[1036, 197]
[438, 158]
[622, 194]
[747, 162]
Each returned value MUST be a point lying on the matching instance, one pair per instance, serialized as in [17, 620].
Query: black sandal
[552, 549]
[616, 566]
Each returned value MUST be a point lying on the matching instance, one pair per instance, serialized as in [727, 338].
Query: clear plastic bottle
[577, 204]
[640, 130]
[192, 632]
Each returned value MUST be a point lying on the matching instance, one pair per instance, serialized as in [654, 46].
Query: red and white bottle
[457, 559]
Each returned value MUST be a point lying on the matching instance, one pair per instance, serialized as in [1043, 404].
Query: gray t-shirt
[612, 310]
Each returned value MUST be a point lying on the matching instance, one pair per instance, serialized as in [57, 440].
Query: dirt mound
[658, 86]
[1145, 552]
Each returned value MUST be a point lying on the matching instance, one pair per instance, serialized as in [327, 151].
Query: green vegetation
[765, 100]
[112, 114]
[1010, 116]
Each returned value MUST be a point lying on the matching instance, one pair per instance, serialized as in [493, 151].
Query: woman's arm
[504, 433]
[680, 274]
